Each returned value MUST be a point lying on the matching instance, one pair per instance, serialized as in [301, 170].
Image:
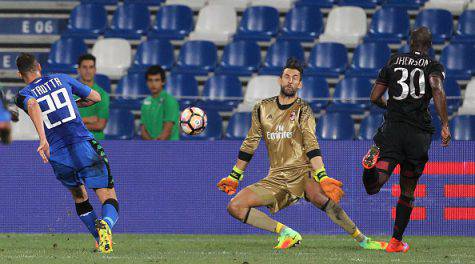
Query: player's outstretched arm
[440, 103]
[377, 95]
[230, 183]
[34, 111]
[92, 98]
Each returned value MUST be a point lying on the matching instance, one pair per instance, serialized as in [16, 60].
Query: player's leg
[374, 178]
[85, 210]
[315, 194]
[110, 205]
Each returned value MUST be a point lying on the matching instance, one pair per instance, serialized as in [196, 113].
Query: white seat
[471, 5]
[238, 5]
[281, 5]
[216, 23]
[24, 128]
[346, 25]
[468, 106]
[258, 88]
[456, 7]
[193, 4]
[113, 56]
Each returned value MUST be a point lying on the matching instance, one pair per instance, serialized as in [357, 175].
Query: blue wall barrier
[170, 187]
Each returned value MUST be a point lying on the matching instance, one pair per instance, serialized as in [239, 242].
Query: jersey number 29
[54, 103]
[411, 88]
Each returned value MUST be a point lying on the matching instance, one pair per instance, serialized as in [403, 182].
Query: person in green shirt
[160, 111]
[95, 116]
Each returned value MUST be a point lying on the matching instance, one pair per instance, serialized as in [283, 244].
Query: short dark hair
[154, 70]
[26, 62]
[421, 38]
[293, 63]
[86, 57]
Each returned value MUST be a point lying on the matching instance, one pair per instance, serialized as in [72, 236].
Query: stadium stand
[468, 106]
[277, 56]
[303, 23]
[465, 31]
[439, 21]
[315, 91]
[216, 23]
[351, 96]
[183, 87]
[130, 21]
[120, 124]
[327, 59]
[24, 128]
[368, 58]
[463, 127]
[194, 4]
[454, 6]
[258, 88]
[281, 5]
[214, 128]
[316, 3]
[346, 24]
[101, 2]
[259, 23]
[406, 4]
[390, 25]
[145, 2]
[222, 93]
[239, 5]
[335, 126]
[103, 81]
[153, 52]
[367, 4]
[113, 56]
[238, 126]
[197, 57]
[87, 21]
[240, 58]
[64, 54]
[369, 126]
[459, 61]
[130, 91]
[172, 22]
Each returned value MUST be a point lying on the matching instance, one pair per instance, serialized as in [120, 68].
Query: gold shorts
[281, 189]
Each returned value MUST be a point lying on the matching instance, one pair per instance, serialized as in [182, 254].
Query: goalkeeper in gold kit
[287, 125]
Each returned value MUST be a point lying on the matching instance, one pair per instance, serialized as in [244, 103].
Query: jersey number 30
[411, 88]
[54, 103]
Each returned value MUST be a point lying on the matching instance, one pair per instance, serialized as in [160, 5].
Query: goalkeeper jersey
[288, 131]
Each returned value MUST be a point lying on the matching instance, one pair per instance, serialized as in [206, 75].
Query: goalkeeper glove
[231, 183]
[330, 186]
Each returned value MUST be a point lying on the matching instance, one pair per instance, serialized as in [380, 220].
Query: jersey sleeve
[77, 87]
[251, 142]
[172, 110]
[22, 98]
[307, 126]
[436, 69]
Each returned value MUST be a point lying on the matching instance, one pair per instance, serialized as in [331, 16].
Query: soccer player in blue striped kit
[77, 159]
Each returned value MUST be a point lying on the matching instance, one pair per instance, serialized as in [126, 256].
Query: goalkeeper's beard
[288, 91]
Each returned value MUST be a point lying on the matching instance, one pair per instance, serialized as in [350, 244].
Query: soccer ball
[193, 120]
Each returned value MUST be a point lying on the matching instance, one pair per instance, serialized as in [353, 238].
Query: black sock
[403, 213]
[370, 180]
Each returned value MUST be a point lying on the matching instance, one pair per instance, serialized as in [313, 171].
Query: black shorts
[405, 144]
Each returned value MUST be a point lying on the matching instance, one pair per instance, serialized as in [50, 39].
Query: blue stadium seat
[64, 54]
[145, 2]
[348, 94]
[316, 3]
[153, 52]
[303, 23]
[240, 58]
[328, 59]
[458, 60]
[335, 126]
[259, 23]
[406, 4]
[101, 2]
[238, 126]
[87, 21]
[103, 81]
[465, 28]
[120, 124]
[315, 91]
[367, 4]
[130, 92]
[405, 49]
[390, 25]
[222, 93]
[440, 23]
[172, 22]
[277, 56]
[368, 59]
[213, 130]
[462, 127]
[130, 21]
[197, 57]
[452, 89]
[369, 126]
[182, 85]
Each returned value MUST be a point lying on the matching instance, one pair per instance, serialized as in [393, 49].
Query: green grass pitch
[184, 249]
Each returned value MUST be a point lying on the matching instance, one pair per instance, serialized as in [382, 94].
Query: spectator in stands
[6, 116]
[95, 116]
[160, 111]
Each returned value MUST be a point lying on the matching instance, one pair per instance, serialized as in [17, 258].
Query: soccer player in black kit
[404, 138]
